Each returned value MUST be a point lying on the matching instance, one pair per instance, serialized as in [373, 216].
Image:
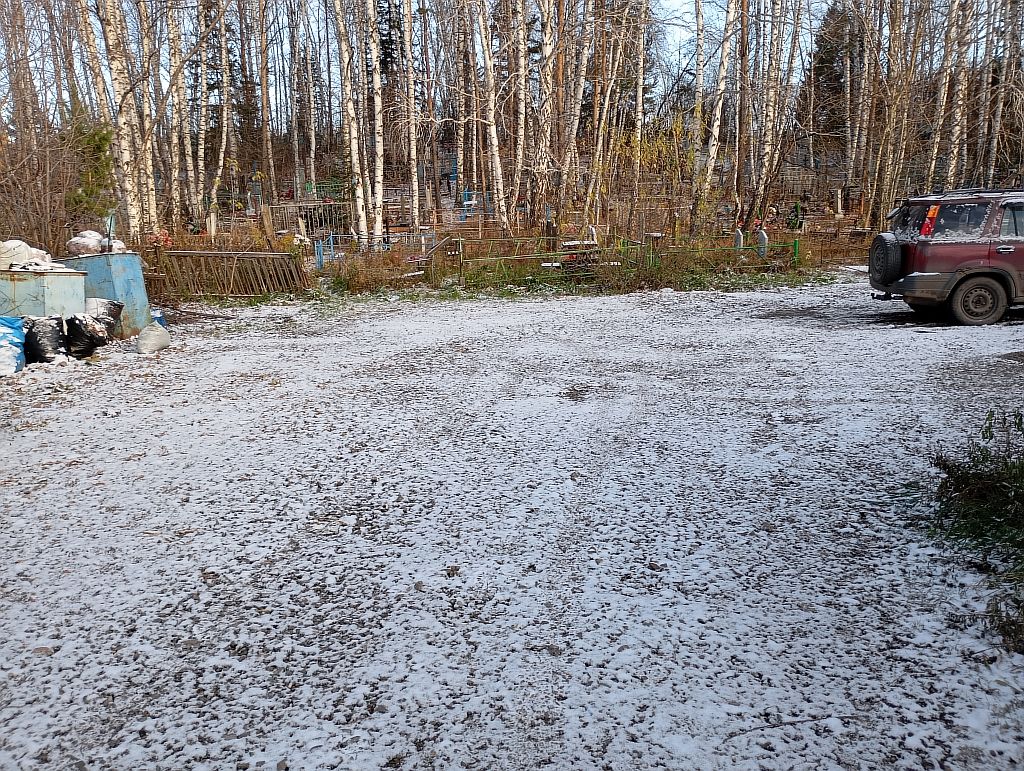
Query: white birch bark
[944, 78]
[92, 60]
[179, 109]
[124, 111]
[519, 31]
[269, 184]
[958, 137]
[203, 97]
[459, 77]
[772, 87]
[638, 113]
[576, 99]
[311, 107]
[294, 62]
[848, 96]
[377, 196]
[999, 97]
[714, 131]
[412, 128]
[351, 123]
[489, 99]
[541, 158]
[225, 109]
[601, 138]
[146, 83]
[361, 86]
[696, 133]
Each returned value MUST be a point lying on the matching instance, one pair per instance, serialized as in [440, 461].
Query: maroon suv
[961, 251]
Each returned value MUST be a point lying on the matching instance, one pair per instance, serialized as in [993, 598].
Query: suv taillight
[928, 226]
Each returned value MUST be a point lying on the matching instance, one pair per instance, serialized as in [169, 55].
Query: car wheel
[885, 263]
[978, 301]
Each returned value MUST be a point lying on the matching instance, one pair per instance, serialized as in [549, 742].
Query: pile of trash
[90, 242]
[52, 339]
[48, 339]
[17, 255]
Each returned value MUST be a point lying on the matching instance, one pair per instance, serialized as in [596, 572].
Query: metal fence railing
[332, 248]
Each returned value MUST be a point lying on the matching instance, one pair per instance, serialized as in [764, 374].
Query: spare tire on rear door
[884, 260]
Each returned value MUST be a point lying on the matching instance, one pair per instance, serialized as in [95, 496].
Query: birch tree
[411, 117]
[351, 121]
[489, 99]
[714, 132]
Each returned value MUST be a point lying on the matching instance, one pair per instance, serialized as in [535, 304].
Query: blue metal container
[41, 292]
[117, 277]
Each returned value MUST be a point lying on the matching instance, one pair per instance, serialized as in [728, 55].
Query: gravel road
[663, 530]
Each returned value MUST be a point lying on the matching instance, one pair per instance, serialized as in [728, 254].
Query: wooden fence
[180, 275]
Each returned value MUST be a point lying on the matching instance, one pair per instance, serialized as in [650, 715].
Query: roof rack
[976, 190]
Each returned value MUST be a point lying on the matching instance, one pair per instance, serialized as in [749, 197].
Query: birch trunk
[148, 84]
[601, 131]
[954, 171]
[638, 116]
[199, 181]
[743, 112]
[996, 126]
[459, 76]
[378, 122]
[351, 123]
[125, 114]
[944, 78]
[576, 100]
[519, 30]
[714, 141]
[849, 132]
[361, 89]
[772, 87]
[225, 108]
[542, 158]
[294, 62]
[412, 129]
[270, 181]
[490, 118]
[311, 115]
[178, 110]
[697, 121]
[92, 60]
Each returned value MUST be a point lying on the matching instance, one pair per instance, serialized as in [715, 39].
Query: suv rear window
[957, 221]
[906, 225]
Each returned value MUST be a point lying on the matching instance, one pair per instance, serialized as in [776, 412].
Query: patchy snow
[650, 531]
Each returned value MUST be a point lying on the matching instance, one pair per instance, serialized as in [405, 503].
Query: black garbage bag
[107, 312]
[85, 334]
[44, 339]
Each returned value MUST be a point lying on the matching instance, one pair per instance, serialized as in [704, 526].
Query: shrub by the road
[981, 511]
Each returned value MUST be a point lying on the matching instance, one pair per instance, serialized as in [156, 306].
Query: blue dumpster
[41, 292]
[117, 277]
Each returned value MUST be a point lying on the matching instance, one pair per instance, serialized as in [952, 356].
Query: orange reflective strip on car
[929, 221]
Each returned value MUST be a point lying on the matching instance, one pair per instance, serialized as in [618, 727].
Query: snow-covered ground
[661, 530]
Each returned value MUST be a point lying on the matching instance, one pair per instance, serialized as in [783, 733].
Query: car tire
[885, 263]
[978, 301]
